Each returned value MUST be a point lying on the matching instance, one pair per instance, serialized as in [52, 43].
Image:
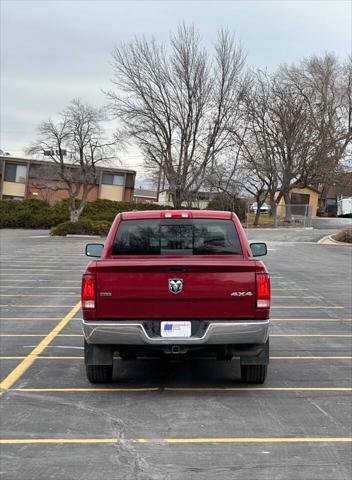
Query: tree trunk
[177, 198]
[288, 216]
[273, 207]
[74, 215]
[257, 213]
[256, 218]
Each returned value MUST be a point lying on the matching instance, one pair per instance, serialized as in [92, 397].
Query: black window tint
[137, 237]
[215, 237]
[176, 237]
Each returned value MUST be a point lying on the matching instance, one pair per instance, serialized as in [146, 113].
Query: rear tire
[254, 373]
[99, 373]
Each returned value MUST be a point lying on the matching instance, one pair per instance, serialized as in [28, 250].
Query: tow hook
[175, 349]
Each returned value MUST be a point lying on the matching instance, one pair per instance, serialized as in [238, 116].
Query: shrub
[30, 214]
[39, 214]
[82, 227]
[344, 235]
[223, 201]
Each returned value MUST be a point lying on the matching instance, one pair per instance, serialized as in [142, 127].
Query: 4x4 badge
[175, 285]
[241, 294]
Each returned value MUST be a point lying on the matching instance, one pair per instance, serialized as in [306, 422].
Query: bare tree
[325, 88]
[76, 145]
[177, 104]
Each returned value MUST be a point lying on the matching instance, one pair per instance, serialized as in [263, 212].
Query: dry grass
[344, 235]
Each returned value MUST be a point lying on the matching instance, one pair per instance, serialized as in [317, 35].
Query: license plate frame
[175, 329]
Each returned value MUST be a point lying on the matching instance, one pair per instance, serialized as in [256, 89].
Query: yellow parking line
[293, 357]
[33, 441]
[183, 389]
[274, 357]
[33, 355]
[338, 335]
[75, 390]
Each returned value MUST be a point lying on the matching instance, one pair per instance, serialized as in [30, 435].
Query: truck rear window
[176, 237]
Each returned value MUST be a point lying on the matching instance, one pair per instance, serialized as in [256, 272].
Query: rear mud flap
[260, 359]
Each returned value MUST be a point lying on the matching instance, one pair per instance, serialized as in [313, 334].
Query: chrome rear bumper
[217, 333]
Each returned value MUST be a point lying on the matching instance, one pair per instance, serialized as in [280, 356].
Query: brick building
[23, 178]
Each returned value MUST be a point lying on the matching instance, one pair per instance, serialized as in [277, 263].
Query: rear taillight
[88, 291]
[263, 290]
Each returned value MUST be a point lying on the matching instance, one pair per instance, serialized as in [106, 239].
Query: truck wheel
[253, 373]
[99, 373]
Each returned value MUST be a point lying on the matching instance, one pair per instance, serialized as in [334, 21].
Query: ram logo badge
[175, 285]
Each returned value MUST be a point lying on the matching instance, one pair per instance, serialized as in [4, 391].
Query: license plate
[176, 329]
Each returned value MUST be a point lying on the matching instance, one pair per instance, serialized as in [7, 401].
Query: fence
[291, 215]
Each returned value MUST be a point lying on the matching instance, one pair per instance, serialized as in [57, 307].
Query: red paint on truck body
[137, 285]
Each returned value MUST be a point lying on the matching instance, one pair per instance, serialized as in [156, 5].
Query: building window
[11, 197]
[15, 173]
[109, 179]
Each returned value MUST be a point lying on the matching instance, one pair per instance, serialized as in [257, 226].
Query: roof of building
[105, 168]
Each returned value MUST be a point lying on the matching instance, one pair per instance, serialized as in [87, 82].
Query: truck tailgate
[211, 289]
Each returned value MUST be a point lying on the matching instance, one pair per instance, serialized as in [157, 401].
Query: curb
[72, 235]
[328, 240]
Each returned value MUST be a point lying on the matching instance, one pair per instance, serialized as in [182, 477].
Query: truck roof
[217, 214]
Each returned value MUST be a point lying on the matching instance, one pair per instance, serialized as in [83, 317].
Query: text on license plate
[176, 329]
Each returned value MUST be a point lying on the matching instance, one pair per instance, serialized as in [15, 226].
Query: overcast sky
[53, 51]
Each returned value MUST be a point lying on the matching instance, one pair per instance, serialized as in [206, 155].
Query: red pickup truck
[176, 284]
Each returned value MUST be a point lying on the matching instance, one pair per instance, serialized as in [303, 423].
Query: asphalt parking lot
[175, 420]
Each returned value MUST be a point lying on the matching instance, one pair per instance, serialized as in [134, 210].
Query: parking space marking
[45, 295]
[299, 319]
[296, 357]
[41, 441]
[40, 335]
[33, 355]
[36, 270]
[31, 318]
[311, 307]
[180, 389]
[293, 296]
[303, 335]
[26, 287]
[36, 306]
[24, 280]
[310, 335]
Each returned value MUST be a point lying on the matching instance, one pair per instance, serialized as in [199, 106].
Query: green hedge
[31, 214]
[82, 227]
[39, 214]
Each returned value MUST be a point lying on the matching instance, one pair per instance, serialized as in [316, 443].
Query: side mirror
[94, 249]
[259, 249]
